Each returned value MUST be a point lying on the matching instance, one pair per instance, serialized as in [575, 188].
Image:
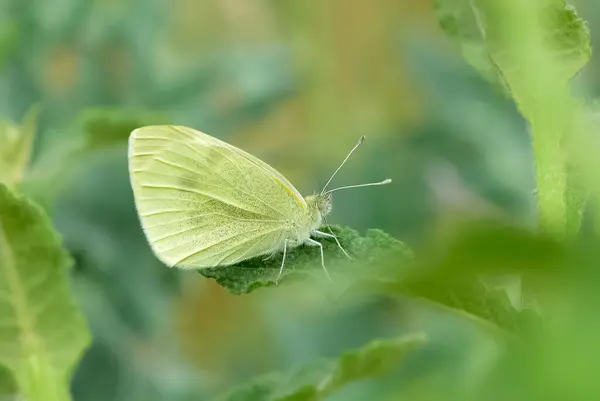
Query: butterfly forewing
[203, 202]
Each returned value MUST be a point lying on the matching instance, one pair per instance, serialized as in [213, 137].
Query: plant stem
[40, 383]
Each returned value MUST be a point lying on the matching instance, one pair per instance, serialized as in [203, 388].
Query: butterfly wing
[203, 202]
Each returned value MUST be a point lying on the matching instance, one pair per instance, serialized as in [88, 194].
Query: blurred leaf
[471, 23]
[577, 195]
[461, 21]
[8, 386]
[42, 333]
[9, 39]
[93, 130]
[108, 127]
[258, 389]
[16, 142]
[582, 167]
[477, 274]
[368, 253]
[323, 377]
[538, 46]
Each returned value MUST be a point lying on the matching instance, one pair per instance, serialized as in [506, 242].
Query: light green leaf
[42, 332]
[324, 377]
[583, 167]
[369, 252]
[536, 46]
[474, 26]
[16, 143]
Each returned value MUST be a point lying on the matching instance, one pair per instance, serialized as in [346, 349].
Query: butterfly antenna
[360, 141]
[370, 184]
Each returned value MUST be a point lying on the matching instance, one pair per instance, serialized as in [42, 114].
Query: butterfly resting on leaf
[205, 203]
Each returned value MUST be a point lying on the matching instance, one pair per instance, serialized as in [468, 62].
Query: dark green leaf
[108, 127]
[368, 252]
[8, 386]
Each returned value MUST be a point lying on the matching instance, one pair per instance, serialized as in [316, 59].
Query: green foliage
[111, 127]
[536, 48]
[499, 282]
[42, 332]
[93, 130]
[17, 144]
[477, 274]
[476, 26]
[368, 252]
[8, 387]
[322, 378]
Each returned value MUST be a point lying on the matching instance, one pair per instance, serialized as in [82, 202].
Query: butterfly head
[320, 204]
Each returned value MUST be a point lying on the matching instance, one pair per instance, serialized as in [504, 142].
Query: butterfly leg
[336, 238]
[311, 241]
[282, 262]
[272, 253]
[327, 235]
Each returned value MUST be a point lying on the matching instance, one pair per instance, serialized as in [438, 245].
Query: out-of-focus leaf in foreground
[487, 272]
[42, 332]
[17, 142]
[322, 378]
[370, 253]
[536, 47]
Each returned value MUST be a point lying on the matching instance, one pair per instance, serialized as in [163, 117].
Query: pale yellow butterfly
[205, 203]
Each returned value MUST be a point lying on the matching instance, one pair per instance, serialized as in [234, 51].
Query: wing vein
[221, 176]
[170, 211]
[214, 214]
[194, 191]
[196, 252]
[168, 163]
[241, 257]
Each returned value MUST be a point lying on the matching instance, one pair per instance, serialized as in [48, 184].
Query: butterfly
[205, 203]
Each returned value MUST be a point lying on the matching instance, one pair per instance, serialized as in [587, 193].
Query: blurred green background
[294, 83]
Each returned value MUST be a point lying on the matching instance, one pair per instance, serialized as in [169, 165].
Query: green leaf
[368, 252]
[473, 25]
[42, 332]
[582, 168]
[108, 127]
[537, 46]
[8, 387]
[477, 274]
[9, 39]
[16, 142]
[324, 377]
[461, 21]
[93, 130]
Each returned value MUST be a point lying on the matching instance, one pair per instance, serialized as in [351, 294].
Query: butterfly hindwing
[203, 202]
